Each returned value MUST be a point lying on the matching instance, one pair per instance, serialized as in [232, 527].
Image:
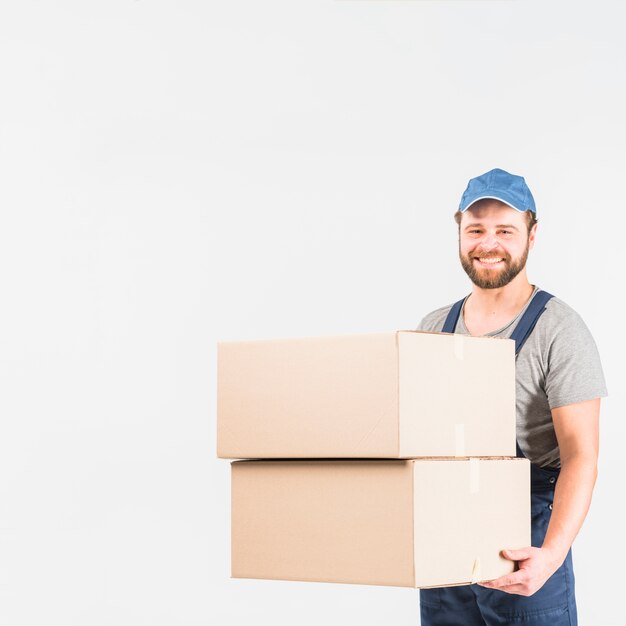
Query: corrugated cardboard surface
[388, 395]
[402, 523]
[457, 395]
[466, 512]
[340, 521]
[322, 397]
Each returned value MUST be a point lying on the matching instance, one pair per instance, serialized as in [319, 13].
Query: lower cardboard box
[408, 523]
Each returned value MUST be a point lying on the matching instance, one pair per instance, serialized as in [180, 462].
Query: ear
[531, 236]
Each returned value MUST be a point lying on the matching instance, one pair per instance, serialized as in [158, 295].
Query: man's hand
[536, 565]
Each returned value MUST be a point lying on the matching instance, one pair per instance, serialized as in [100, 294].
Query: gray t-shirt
[558, 365]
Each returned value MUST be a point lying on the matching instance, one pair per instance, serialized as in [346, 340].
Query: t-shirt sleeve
[423, 325]
[433, 322]
[574, 371]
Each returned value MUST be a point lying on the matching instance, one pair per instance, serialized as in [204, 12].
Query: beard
[486, 278]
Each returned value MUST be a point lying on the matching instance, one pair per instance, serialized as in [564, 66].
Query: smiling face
[494, 241]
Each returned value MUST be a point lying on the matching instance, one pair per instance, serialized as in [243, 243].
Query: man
[559, 383]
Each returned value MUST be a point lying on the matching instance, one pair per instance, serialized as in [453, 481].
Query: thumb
[516, 555]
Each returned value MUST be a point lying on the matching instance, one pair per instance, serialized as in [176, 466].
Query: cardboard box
[390, 395]
[416, 523]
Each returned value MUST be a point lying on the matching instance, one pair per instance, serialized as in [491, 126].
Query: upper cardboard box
[401, 394]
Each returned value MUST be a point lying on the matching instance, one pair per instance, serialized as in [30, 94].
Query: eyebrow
[509, 226]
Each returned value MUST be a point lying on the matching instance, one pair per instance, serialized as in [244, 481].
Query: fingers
[516, 578]
[519, 590]
[517, 555]
[518, 583]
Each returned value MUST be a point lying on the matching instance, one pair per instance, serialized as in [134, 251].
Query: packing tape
[476, 571]
[474, 470]
[459, 346]
[459, 440]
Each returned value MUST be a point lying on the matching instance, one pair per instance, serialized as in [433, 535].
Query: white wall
[173, 174]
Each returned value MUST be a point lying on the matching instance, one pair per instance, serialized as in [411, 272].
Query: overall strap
[453, 317]
[522, 331]
[525, 326]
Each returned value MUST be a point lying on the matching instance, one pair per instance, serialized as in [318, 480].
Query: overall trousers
[471, 605]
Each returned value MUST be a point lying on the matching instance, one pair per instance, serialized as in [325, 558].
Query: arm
[576, 427]
[577, 432]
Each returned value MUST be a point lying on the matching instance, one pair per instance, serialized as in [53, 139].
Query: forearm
[572, 498]
[577, 428]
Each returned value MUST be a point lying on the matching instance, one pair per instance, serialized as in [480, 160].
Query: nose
[489, 242]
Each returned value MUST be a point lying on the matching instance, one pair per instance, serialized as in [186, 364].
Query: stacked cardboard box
[380, 459]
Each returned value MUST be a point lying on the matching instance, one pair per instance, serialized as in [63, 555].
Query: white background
[173, 174]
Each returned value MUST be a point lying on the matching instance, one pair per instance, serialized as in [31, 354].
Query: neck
[510, 298]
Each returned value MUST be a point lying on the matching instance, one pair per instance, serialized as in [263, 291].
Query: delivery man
[559, 383]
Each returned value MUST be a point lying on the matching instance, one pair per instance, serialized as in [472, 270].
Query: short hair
[531, 218]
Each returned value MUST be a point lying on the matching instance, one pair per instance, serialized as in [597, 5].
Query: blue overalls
[472, 605]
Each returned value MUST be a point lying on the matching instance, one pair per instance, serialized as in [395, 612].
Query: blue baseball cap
[499, 185]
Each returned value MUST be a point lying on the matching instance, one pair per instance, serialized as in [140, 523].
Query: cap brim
[501, 199]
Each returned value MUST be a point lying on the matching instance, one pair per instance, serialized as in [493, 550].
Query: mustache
[489, 255]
